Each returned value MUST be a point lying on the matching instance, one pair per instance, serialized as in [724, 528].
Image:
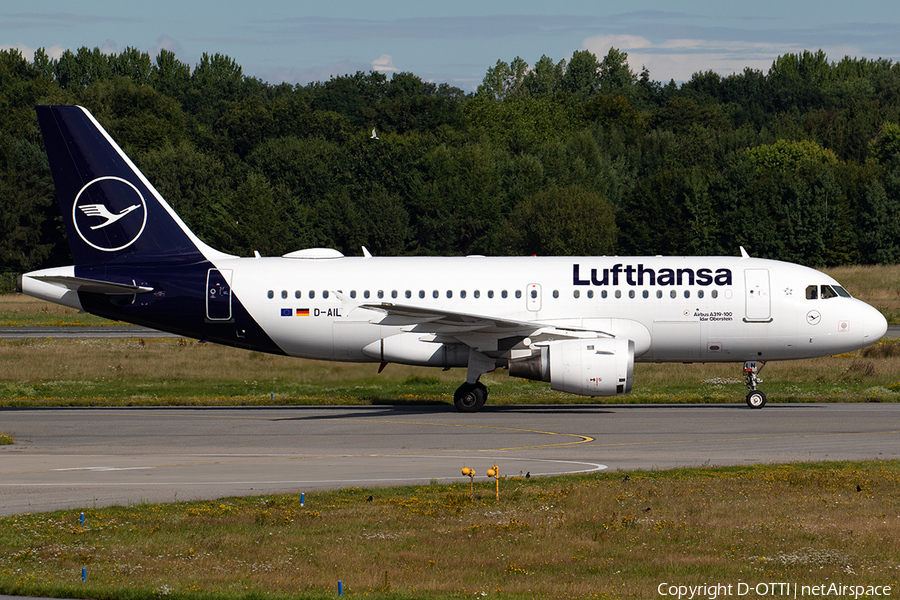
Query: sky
[299, 41]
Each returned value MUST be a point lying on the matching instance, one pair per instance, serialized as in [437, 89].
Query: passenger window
[435, 294]
[409, 293]
[421, 293]
[687, 293]
[659, 293]
[325, 294]
[462, 293]
[353, 293]
[518, 293]
[618, 293]
[366, 294]
[699, 293]
[490, 293]
[812, 292]
[298, 294]
[393, 293]
[645, 294]
[284, 293]
[477, 294]
[271, 294]
[631, 293]
[556, 293]
[576, 293]
[503, 294]
[449, 294]
[714, 293]
[312, 294]
[590, 293]
[534, 293]
[673, 294]
[603, 293]
[380, 294]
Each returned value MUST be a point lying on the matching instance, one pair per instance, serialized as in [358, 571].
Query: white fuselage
[763, 313]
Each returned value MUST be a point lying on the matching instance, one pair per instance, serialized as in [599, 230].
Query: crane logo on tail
[100, 210]
[108, 201]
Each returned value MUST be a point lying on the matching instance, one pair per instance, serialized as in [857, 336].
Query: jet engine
[588, 367]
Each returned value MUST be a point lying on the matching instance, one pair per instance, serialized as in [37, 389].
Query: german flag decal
[302, 312]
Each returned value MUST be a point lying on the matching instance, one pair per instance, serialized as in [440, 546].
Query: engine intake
[587, 367]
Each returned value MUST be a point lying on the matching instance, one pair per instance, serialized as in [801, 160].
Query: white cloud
[53, 52]
[385, 62]
[679, 59]
[109, 47]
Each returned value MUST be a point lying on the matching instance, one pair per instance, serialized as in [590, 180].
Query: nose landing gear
[755, 399]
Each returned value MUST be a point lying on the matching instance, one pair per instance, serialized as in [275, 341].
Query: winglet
[366, 253]
[744, 253]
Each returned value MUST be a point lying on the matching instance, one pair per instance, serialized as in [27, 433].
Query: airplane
[579, 323]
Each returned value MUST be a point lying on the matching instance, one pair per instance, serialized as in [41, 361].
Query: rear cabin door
[218, 295]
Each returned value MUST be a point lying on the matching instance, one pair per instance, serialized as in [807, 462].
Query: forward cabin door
[758, 298]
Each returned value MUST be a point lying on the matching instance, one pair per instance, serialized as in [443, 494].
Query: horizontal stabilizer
[93, 286]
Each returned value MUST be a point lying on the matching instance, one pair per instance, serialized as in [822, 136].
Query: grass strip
[164, 372]
[606, 535]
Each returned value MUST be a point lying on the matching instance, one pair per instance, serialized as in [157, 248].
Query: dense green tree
[546, 78]
[616, 77]
[582, 77]
[26, 194]
[170, 76]
[567, 221]
[800, 162]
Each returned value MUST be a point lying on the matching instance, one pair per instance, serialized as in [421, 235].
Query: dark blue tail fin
[110, 209]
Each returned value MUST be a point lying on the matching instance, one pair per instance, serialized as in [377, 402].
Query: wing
[480, 332]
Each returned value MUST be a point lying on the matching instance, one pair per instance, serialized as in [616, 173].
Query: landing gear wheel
[756, 399]
[470, 397]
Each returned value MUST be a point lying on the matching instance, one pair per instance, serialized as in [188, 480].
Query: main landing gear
[470, 397]
[755, 399]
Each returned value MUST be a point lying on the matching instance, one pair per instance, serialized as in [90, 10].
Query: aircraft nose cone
[875, 326]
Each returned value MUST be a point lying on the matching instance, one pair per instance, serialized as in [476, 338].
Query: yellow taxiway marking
[582, 439]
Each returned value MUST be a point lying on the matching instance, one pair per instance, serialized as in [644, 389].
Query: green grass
[6, 439]
[587, 536]
[137, 372]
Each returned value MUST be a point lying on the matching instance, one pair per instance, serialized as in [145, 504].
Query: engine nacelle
[587, 367]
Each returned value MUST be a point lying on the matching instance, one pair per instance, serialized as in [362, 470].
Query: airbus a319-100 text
[579, 323]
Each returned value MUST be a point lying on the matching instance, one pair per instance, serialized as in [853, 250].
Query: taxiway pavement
[85, 457]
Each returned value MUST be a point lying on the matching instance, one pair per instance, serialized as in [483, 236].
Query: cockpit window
[827, 292]
[841, 291]
[812, 292]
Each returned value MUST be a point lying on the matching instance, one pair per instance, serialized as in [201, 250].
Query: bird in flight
[100, 210]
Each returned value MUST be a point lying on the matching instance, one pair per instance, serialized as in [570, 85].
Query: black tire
[756, 399]
[470, 397]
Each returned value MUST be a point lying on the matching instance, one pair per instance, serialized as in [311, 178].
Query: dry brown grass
[17, 310]
[878, 285]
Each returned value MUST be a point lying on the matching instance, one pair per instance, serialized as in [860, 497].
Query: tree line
[580, 157]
